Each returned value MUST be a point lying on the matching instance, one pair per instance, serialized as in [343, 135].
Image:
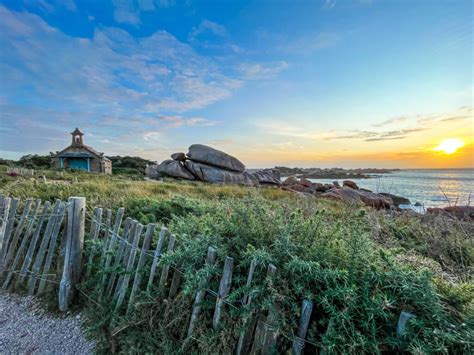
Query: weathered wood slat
[124, 259]
[265, 335]
[224, 288]
[11, 244]
[4, 219]
[23, 244]
[93, 236]
[245, 338]
[112, 242]
[175, 282]
[107, 235]
[8, 229]
[141, 261]
[51, 249]
[32, 247]
[127, 237]
[42, 249]
[73, 253]
[201, 293]
[130, 266]
[166, 268]
[305, 317]
[156, 256]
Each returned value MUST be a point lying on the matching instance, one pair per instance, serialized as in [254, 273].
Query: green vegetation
[121, 165]
[360, 267]
[129, 165]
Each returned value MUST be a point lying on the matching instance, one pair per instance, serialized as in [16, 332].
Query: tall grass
[360, 267]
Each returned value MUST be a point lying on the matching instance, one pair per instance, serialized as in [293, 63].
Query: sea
[429, 187]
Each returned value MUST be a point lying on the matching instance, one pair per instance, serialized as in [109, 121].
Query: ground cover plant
[360, 267]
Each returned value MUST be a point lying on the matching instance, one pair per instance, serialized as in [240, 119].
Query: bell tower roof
[77, 138]
[77, 132]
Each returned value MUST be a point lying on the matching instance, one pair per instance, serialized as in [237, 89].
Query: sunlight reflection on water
[428, 187]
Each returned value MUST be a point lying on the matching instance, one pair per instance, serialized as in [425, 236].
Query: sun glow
[450, 145]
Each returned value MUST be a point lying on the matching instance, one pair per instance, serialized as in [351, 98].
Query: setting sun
[450, 146]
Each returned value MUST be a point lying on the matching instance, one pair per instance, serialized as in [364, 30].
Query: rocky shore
[203, 163]
[332, 173]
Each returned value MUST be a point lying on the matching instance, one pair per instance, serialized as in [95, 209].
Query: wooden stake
[166, 268]
[156, 256]
[224, 288]
[150, 229]
[305, 316]
[201, 293]
[73, 253]
[131, 262]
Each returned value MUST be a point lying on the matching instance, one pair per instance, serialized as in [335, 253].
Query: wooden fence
[40, 246]
[21, 171]
[36, 248]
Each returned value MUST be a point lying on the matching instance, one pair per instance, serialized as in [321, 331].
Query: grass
[360, 267]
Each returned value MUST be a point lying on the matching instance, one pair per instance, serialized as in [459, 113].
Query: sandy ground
[26, 328]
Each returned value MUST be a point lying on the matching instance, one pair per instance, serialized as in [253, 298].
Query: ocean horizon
[429, 187]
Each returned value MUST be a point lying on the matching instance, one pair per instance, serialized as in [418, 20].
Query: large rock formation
[350, 195]
[211, 165]
[178, 156]
[397, 200]
[209, 156]
[174, 169]
[268, 177]
[152, 172]
[220, 176]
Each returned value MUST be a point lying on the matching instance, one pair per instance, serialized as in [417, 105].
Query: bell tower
[77, 138]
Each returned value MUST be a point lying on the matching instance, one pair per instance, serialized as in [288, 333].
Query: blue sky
[302, 83]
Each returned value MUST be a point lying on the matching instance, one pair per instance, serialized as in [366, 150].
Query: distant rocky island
[332, 173]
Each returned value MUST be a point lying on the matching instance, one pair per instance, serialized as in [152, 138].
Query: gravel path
[26, 328]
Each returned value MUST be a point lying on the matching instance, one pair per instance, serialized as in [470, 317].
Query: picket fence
[41, 249]
[41, 246]
[21, 171]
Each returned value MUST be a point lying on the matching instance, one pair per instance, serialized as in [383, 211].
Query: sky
[323, 83]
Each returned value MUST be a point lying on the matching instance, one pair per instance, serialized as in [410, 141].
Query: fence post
[76, 221]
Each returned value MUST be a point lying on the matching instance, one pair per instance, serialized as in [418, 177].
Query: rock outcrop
[209, 156]
[351, 184]
[174, 169]
[268, 177]
[178, 157]
[220, 176]
[459, 212]
[397, 200]
[152, 172]
[210, 165]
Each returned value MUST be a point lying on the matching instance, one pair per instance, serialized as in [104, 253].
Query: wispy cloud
[178, 121]
[207, 27]
[126, 11]
[129, 11]
[391, 121]
[259, 71]
[110, 79]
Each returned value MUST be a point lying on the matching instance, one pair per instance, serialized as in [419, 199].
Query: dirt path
[26, 328]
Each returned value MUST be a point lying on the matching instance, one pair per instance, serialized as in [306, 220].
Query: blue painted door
[78, 163]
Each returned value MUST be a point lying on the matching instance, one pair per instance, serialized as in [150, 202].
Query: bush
[322, 253]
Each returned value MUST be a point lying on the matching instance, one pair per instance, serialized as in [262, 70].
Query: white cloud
[154, 135]
[111, 71]
[109, 80]
[258, 71]
[178, 121]
[126, 12]
[310, 43]
[206, 27]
